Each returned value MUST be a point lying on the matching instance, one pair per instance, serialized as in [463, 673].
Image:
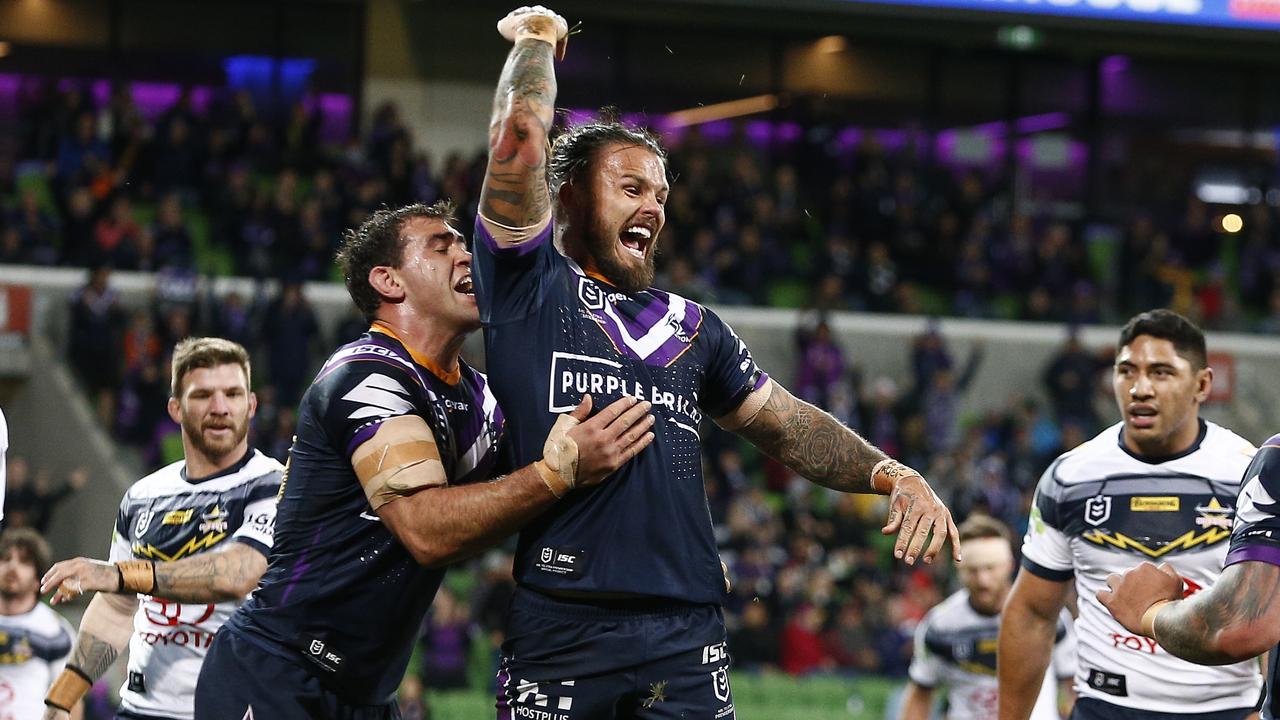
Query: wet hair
[982, 527]
[30, 546]
[378, 242]
[1165, 324]
[205, 352]
[573, 152]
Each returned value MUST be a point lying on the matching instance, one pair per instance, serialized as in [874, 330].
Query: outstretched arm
[104, 633]
[514, 196]
[1237, 618]
[209, 577]
[822, 449]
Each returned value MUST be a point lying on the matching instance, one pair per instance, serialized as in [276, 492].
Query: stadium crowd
[186, 193]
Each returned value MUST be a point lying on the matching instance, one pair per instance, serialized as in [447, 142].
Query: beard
[214, 449]
[605, 251]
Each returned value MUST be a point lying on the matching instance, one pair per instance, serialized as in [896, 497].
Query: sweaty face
[619, 214]
[215, 409]
[987, 573]
[1159, 395]
[435, 271]
[17, 576]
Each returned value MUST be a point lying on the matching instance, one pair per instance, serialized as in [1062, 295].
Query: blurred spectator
[446, 642]
[1070, 379]
[291, 334]
[755, 641]
[96, 334]
[802, 649]
[821, 365]
[30, 497]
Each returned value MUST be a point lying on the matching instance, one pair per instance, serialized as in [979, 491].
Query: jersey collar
[450, 377]
[1153, 460]
[248, 455]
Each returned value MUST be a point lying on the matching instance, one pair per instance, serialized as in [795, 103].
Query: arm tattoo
[813, 443]
[93, 655]
[515, 188]
[211, 576]
[1192, 629]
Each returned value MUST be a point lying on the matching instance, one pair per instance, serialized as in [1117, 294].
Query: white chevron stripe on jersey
[468, 461]
[658, 335]
[378, 396]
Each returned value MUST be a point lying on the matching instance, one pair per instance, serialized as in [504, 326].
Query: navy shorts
[613, 660]
[1094, 709]
[242, 681]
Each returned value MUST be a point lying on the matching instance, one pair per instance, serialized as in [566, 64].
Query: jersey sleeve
[121, 545]
[258, 521]
[510, 280]
[926, 668]
[1046, 549]
[732, 373]
[362, 394]
[1256, 533]
[1064, 647]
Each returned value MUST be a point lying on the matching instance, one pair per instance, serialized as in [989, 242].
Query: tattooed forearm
[515, 188]
[1229, 622]
[813, 443]
[93, 655]
[211, 577]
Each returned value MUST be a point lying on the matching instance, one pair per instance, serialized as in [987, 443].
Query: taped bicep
[401, 458]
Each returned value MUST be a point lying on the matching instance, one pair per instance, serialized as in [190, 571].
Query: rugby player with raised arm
[388, 482]
[617, 611]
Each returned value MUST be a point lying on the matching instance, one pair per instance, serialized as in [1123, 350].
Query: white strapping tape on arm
[507, 235]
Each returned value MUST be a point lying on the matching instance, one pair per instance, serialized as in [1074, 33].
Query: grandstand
[905, 208]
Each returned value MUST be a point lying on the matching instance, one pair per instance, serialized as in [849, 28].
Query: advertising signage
[1241, 14]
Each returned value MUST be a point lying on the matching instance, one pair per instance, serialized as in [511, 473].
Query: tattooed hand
[914, 511]
[1135, 591]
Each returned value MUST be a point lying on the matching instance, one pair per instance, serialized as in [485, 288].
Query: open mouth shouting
[636, 240]
[463, 286]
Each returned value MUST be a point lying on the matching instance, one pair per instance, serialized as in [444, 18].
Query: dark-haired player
[34, 640]
[1162, 483]
[617, 613]
[385, 486]
[1239, 617]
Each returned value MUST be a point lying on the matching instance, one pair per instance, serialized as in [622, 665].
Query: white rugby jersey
[4, 448]
[33, 648]
[1100, 509]
[165, 516]
[955, 646]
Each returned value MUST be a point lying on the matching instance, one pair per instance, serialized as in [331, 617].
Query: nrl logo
[590, 295]
[144, 522]
[548, 554]
[1097, 510]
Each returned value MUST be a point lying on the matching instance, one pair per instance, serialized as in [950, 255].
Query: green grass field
[757, 697]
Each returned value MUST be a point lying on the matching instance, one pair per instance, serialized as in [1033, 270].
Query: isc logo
[714, 653]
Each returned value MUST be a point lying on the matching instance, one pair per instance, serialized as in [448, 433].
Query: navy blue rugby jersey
[1256, 537]
[554, 333]
[341, 594]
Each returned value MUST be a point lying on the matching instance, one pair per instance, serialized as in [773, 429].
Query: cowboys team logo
[1097, 510]
[1214, 515]
[214, 521]
[590, 294]
[720, 683]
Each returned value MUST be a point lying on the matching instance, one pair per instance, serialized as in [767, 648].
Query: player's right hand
[1131, 594]
[610, 438]
[537, 22]
[74, 577]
